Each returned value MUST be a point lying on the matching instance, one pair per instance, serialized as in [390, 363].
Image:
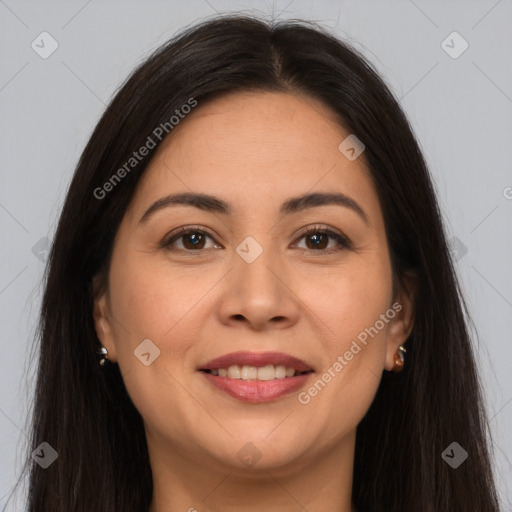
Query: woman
[252, 244]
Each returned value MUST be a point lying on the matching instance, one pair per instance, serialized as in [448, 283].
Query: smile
[268, 372]
[257, 377]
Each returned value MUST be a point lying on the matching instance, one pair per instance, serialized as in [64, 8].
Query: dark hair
[83, 410]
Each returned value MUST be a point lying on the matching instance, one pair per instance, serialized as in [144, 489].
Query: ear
[400, 327]
[102, 317]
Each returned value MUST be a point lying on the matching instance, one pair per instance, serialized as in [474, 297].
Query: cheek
[153, 303]
[151, 299]
[349, 299]
[350, 304]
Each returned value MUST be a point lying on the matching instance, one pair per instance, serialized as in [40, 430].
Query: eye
[317, 239]
[192, 239]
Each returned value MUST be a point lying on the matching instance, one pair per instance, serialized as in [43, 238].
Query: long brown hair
[83, 410]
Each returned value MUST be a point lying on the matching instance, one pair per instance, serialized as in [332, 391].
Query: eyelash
[343, 241]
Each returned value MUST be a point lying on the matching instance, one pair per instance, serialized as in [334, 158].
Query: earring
[399, 359]
[103, 353]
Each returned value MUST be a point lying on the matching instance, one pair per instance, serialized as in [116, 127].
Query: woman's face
[253, 282]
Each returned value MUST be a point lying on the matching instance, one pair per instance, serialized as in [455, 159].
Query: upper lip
[256, 359]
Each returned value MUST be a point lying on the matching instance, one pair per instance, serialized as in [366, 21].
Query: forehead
[260, 125]
[256, 146]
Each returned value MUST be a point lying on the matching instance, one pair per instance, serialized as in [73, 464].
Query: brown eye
[317, 240]
[191, 239]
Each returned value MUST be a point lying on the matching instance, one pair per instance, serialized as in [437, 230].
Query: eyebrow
[292, 205]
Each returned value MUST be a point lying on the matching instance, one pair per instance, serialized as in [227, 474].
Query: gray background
[460, 109]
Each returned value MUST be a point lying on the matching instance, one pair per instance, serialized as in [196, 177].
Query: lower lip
[258, 391]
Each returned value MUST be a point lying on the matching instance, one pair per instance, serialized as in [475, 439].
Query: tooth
[267, 372]
[234, 372]
[249, 372]
[280, 371]
[290, 372]
[246, 372]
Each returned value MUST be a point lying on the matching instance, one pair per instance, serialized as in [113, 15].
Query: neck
[195, 482]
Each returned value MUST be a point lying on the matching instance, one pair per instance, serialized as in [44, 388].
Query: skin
[253, 150]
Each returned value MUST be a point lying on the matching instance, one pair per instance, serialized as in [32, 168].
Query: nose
[260, 294]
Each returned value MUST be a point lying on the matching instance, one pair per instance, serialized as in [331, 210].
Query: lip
[257, 359]
[257, 391]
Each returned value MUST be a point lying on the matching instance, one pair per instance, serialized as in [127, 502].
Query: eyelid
[343, 241]
[320, 227]
[183, 230]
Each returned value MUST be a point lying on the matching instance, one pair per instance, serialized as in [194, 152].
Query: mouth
[264, 373]
[257, 377]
